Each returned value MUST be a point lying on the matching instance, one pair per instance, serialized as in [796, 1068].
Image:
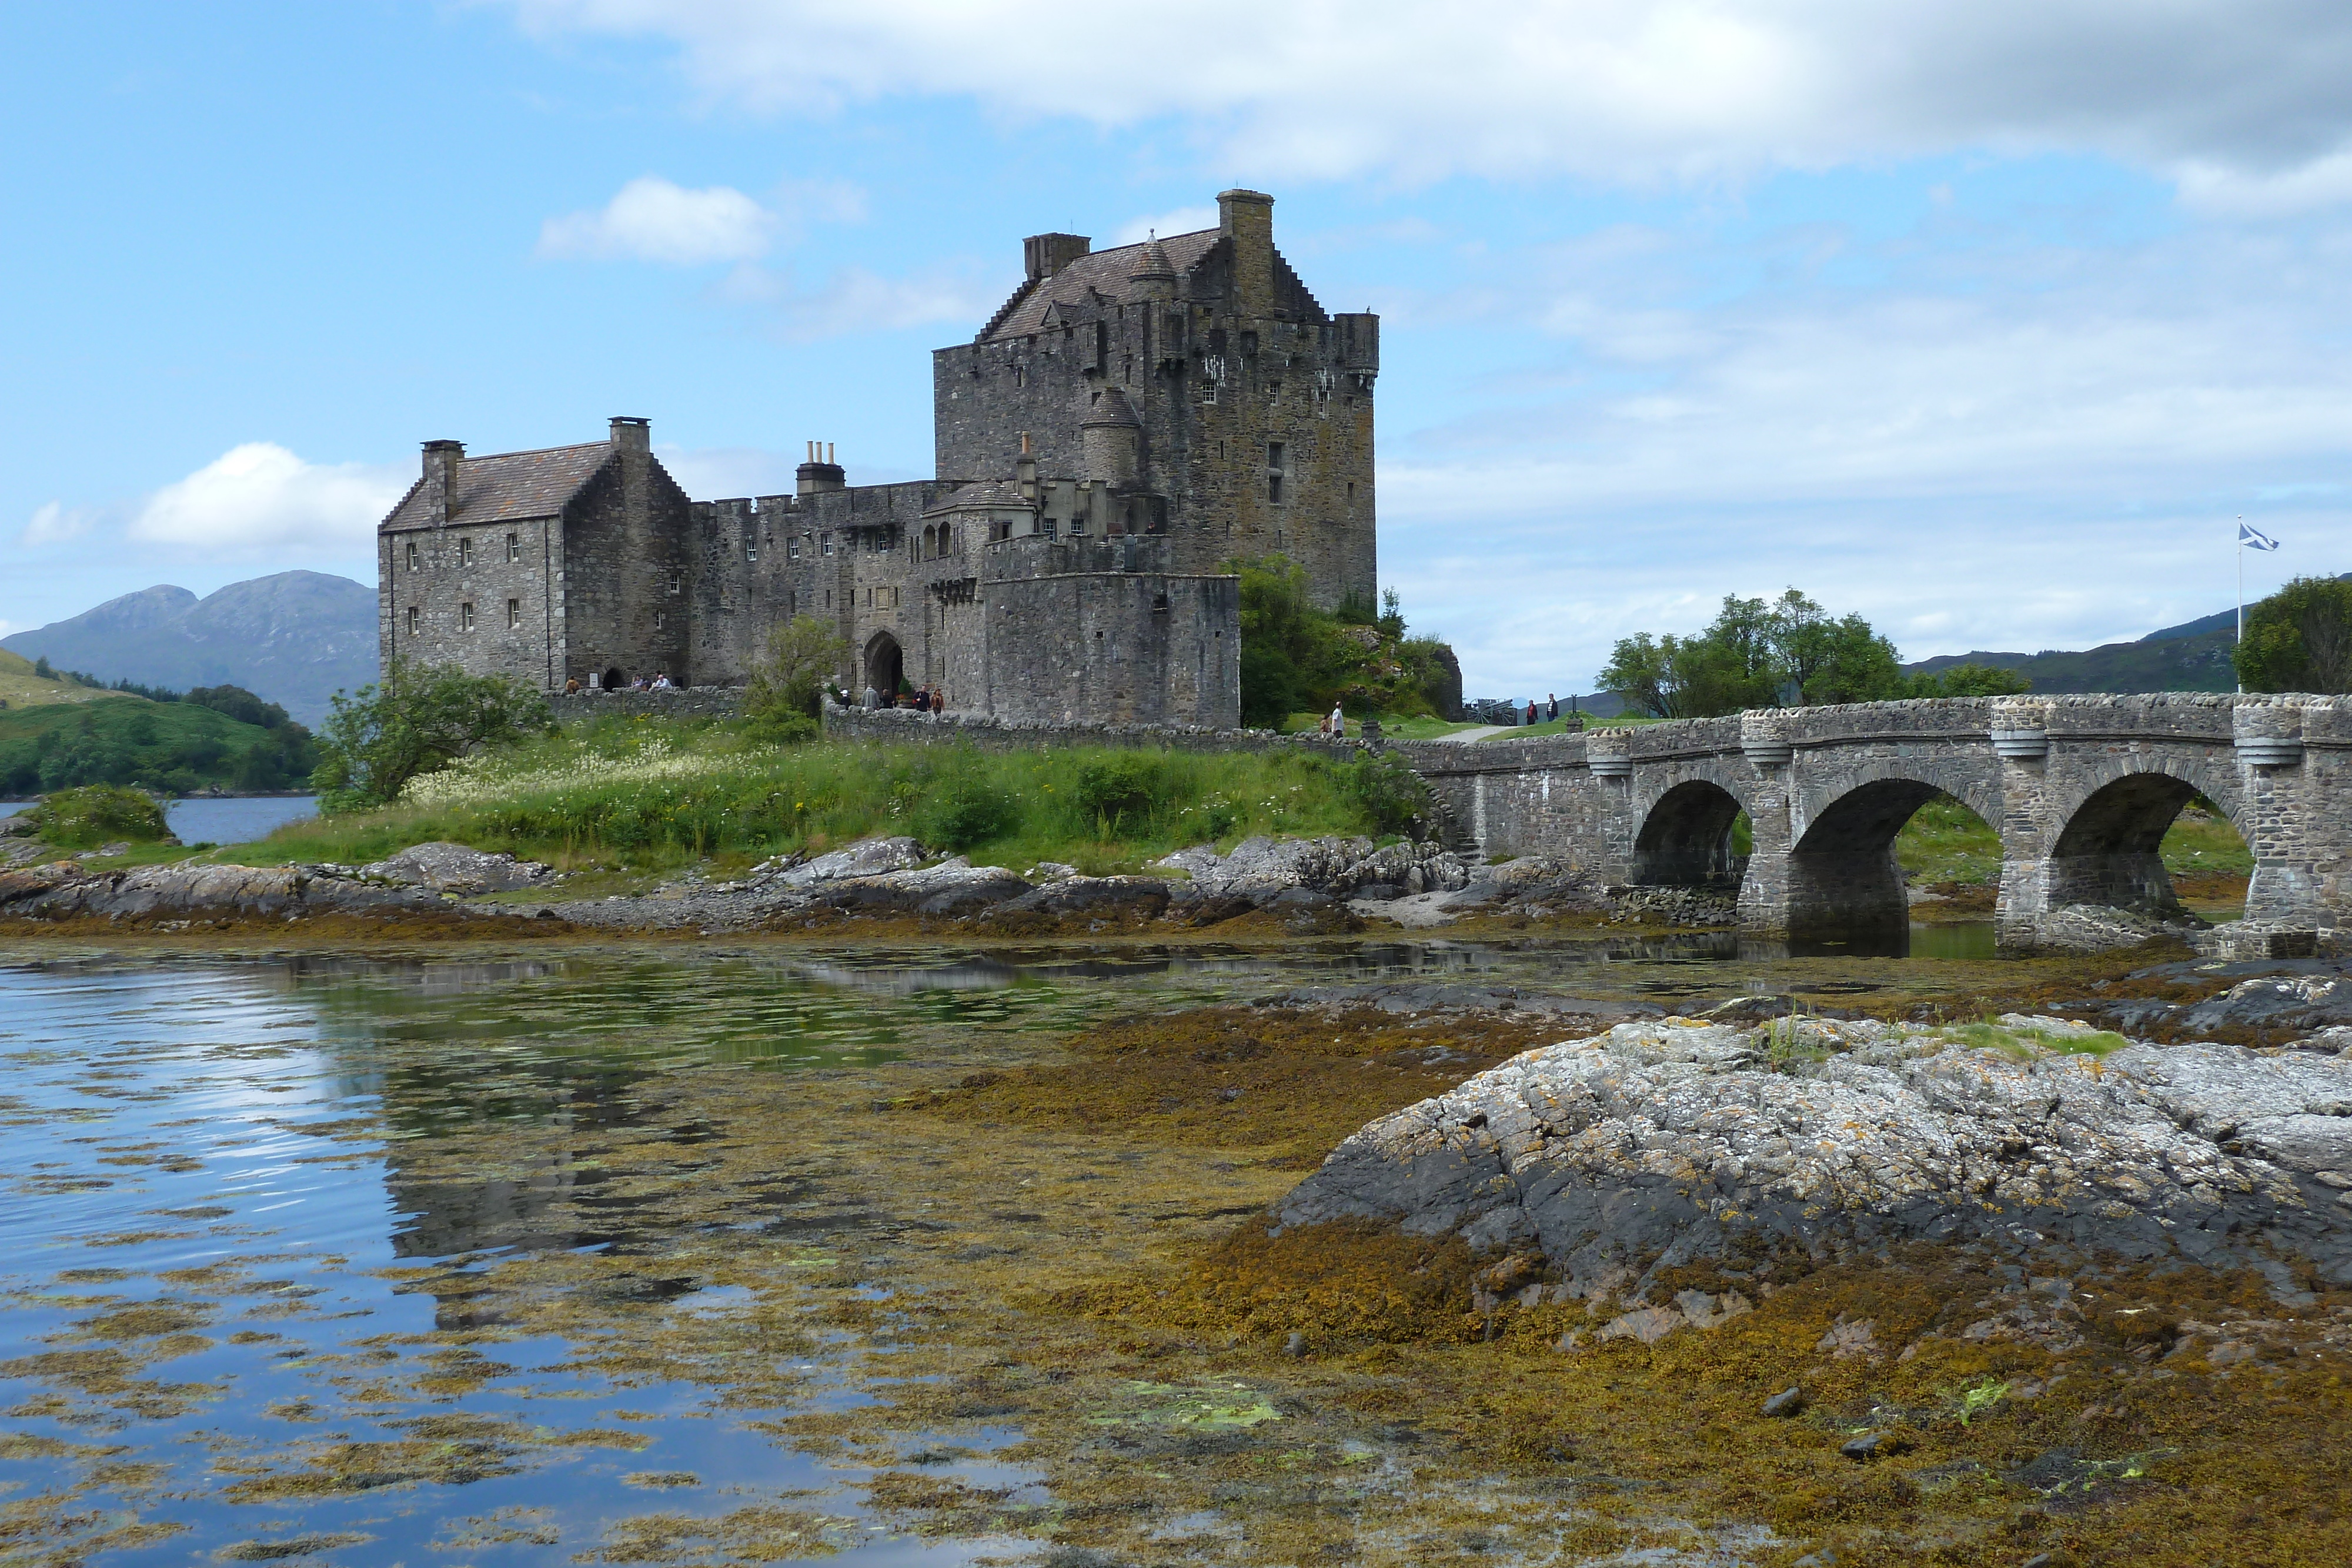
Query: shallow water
[374, 1256]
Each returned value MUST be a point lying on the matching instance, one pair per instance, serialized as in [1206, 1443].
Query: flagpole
[2241, 548]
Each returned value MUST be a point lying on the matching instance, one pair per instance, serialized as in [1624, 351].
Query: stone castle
[1129, 421]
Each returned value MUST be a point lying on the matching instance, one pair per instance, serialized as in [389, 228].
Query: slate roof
[507, 486]
[991, 492]
[1111, 408]
[1108, 274]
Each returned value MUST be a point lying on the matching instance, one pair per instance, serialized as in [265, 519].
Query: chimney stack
[1246, 218]
[441, 461]
[1042, 256]
[820, 473]
[1024, 470]
[632, 435]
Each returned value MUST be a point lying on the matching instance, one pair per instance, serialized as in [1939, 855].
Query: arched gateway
[2080, 790]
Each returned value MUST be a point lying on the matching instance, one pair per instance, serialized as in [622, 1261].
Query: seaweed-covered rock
[1664, 1142]
[1092, 895]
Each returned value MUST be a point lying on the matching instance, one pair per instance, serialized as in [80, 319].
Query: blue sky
[1985, 321]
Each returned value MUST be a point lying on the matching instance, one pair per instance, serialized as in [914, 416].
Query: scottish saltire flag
[2252, 537]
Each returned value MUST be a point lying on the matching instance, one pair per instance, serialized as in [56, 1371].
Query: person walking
[1531, 710]
[1554, 714]
[1339, 722]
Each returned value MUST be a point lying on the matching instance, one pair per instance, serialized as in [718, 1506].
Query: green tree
[1969, 681]
[1280, 649]
[417, 719]
[787, 684]
[1756, 653]
[2299, 639]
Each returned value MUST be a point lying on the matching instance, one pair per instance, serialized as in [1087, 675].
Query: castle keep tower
[1128, 423]
[1251, 405]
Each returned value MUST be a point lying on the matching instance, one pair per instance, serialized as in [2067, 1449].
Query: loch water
[429, 1258]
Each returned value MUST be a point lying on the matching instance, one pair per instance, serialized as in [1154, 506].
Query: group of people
[1539, 713]
[660, 682]
[933, 700]
[1335, 722]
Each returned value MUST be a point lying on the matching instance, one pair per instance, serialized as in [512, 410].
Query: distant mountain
[294, 639]
[2193, 656]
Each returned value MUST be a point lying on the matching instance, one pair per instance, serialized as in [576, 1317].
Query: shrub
[96, 814]
[420, 718]
[1116, 787]
[239, 704]
[963, 807]
[788, 683]
[1390, 793]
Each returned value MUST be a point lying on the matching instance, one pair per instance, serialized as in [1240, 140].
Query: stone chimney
[633, 435]
[1042, 256]
[1246, 218]
[1024, 470]
[441, 461]
[820, 473]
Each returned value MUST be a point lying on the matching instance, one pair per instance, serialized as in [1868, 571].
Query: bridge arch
[1841, 876]
[1682, 821]
[2106, 834]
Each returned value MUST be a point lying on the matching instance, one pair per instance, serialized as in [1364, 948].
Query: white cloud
[260, 496]
[55, 523]
[1182, 221]
[650, 219]
[2239, 94]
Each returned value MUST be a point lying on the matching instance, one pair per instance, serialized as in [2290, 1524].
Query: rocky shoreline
[1303, 887]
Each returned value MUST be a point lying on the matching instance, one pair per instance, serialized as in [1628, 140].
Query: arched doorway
[614, 679]
[885, 665]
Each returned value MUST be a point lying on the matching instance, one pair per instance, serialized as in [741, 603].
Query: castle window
[514, 613]
[1048, 528]
[750, 547]
[465, 618]
[412, 555]
[1077, 524]
[1274, 471]
[792, 549]
[825, 544]
[413, 619]
[828, 599]
[661, 619]
[514, 547]
[465, 550]
[676, 579]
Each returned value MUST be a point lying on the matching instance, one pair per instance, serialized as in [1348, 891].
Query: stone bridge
[2080, 789]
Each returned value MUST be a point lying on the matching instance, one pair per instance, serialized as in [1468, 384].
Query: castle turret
[1154, 277]
[1110, 439]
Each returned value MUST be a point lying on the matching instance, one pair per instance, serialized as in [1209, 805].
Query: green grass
[1567, 725]
[21, 687]
[2023, 1042]
[642, 796]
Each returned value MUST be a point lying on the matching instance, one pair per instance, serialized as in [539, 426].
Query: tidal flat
[673, 1253]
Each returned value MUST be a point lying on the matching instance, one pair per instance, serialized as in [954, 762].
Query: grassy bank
[112, 738]
[640, 796]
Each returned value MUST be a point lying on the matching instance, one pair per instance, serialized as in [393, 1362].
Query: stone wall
[484, 568]
[904, 724]
[693, 702]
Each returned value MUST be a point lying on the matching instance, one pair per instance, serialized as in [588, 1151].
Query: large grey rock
[166, 891]
[1096, 896]
[454, 868]
[952, 887]
[1261, 870]
[867, 857]
[1662, 1141]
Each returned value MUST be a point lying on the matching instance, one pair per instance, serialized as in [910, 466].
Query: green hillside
[21, 685]
[113, 739]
